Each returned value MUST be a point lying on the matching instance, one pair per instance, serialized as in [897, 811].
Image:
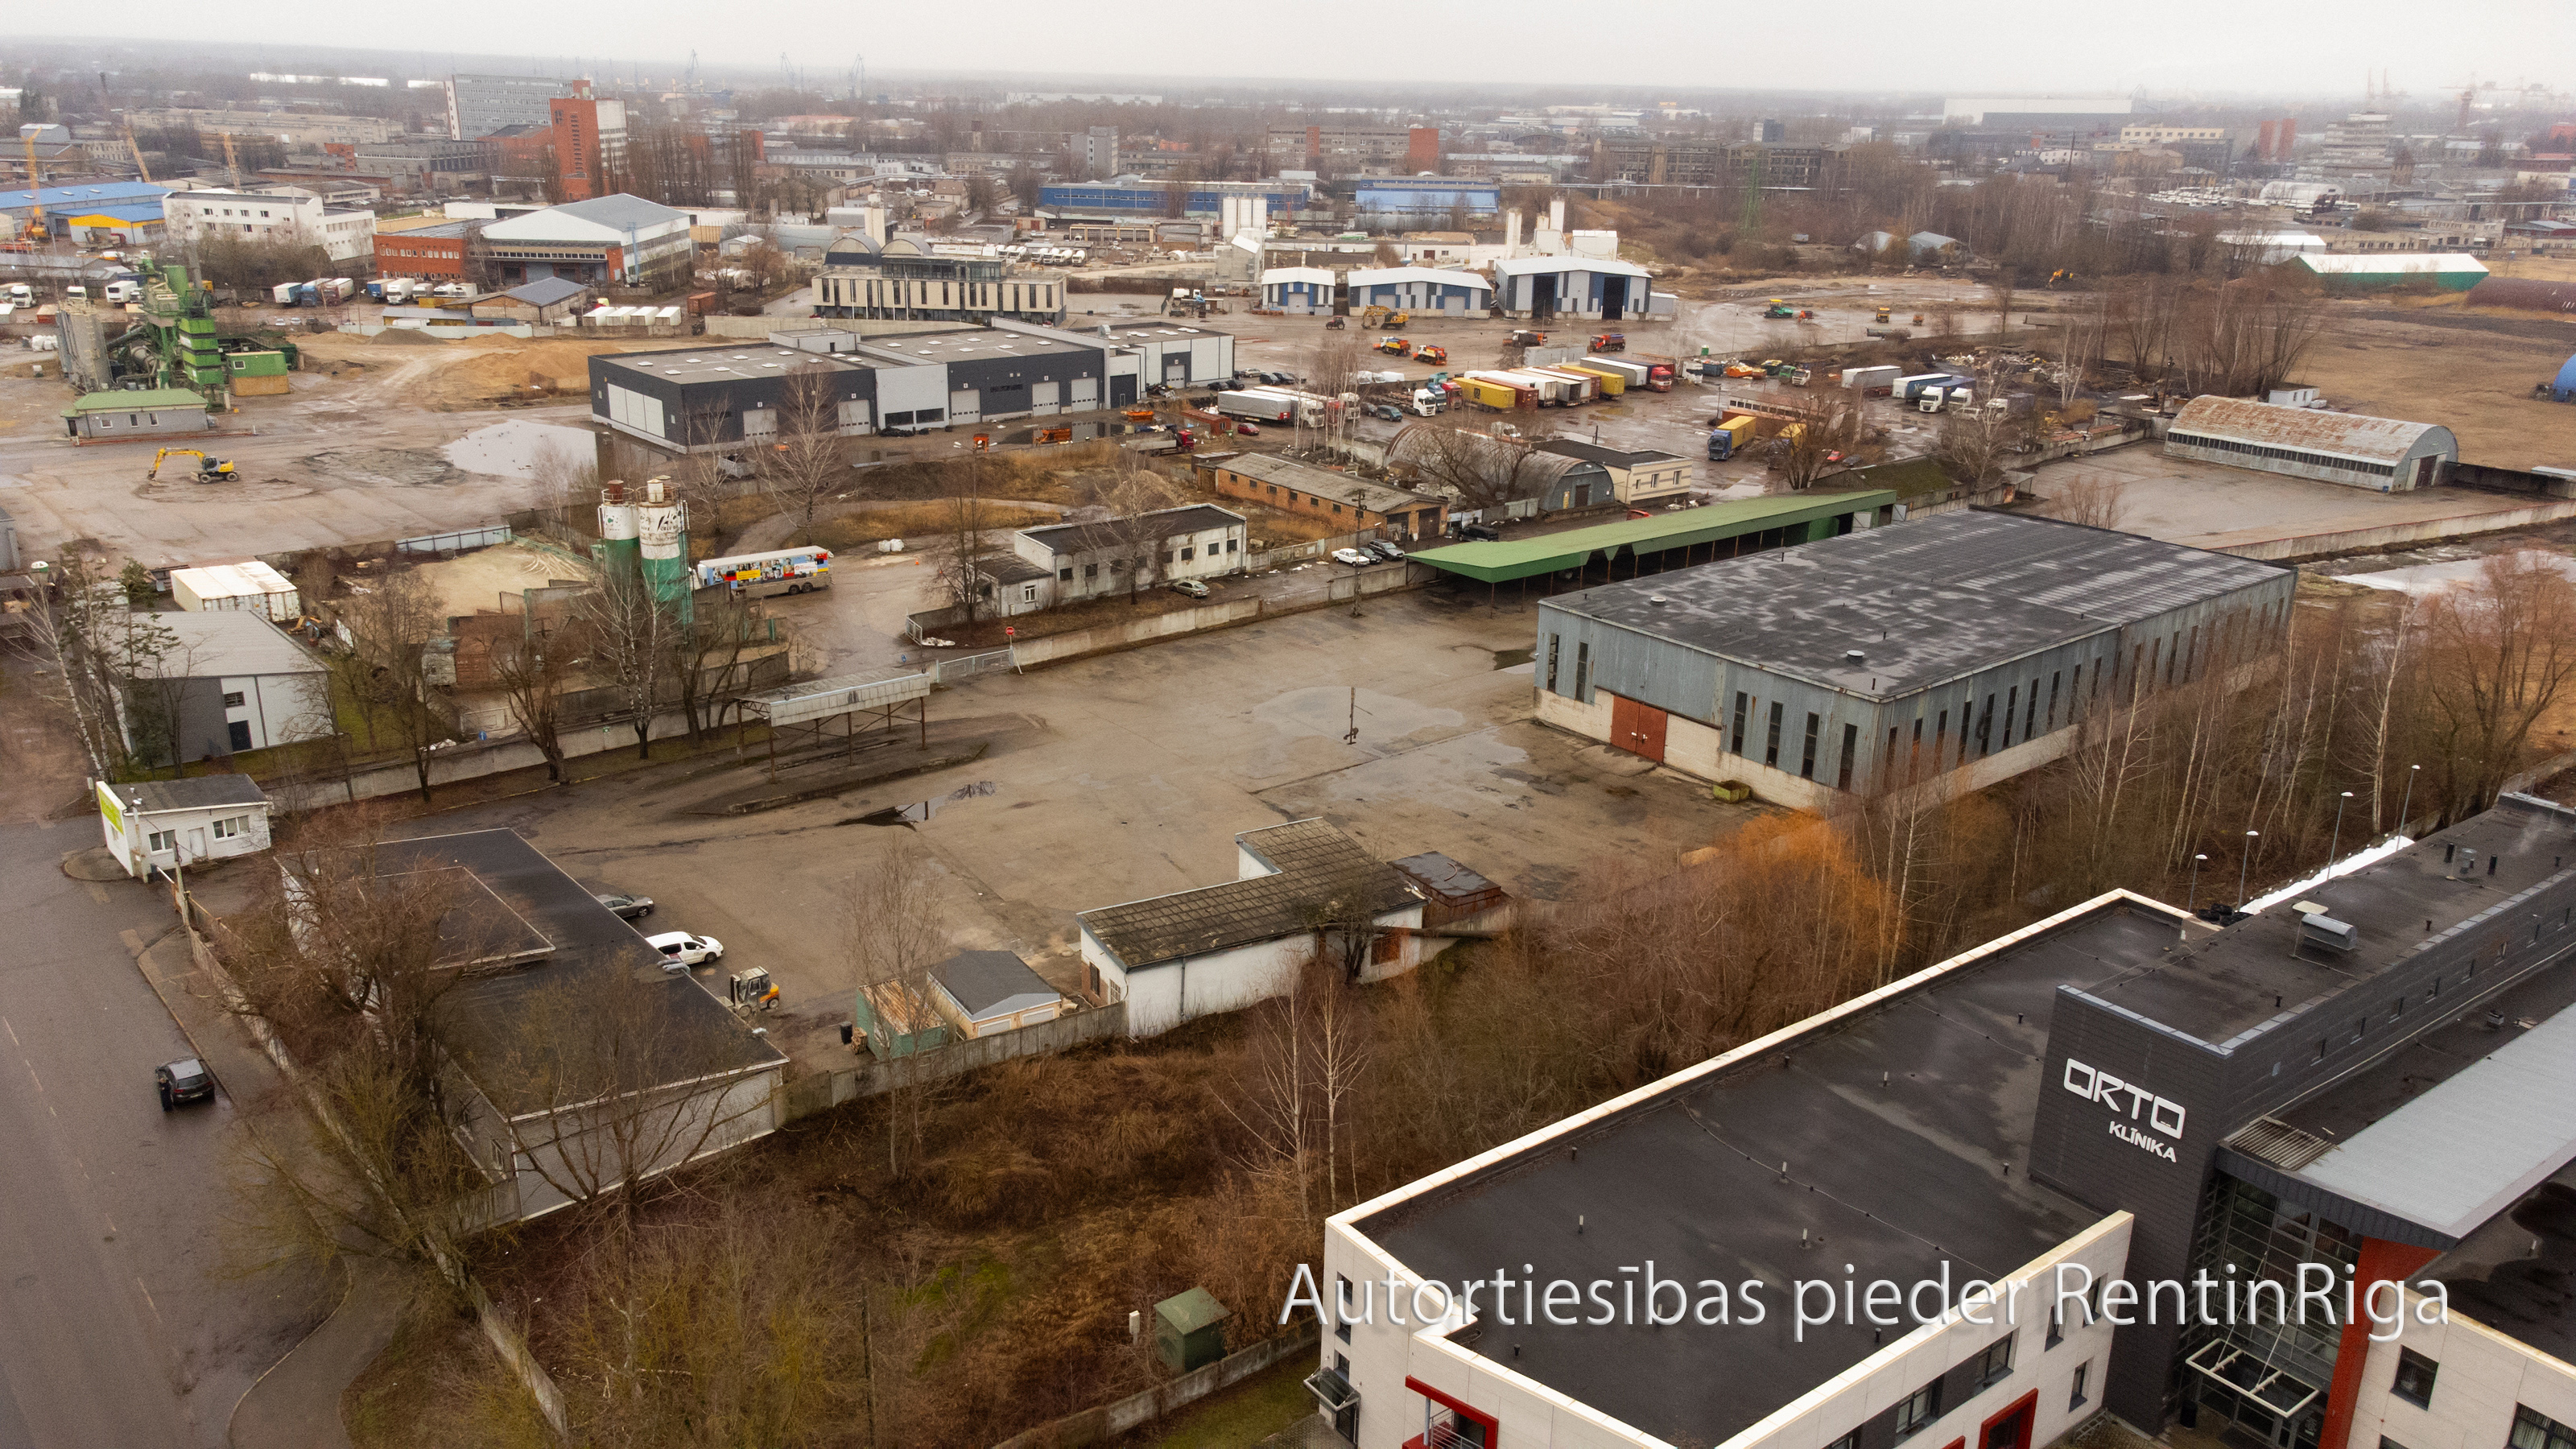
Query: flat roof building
[1438, 291]
[1948, 653]
[2363, 1085]
[2381, 454]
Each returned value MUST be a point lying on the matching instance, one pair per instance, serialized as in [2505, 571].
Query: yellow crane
[209, 468]
[232, 163]
[35, 229]
[139, 168]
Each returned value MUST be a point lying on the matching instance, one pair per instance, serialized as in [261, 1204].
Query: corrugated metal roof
[204, 792]
[232, 580]
[1521, 558]
[2463, 1151]
[1522, 266]
[2351, 435]
[1324, 482]
[1924, 602]
[1436, 276]
[988, 984]
[1319, 875]
[226, 641]
[1276, 276]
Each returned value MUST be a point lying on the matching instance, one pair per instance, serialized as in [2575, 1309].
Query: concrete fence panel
[1110, 1420]
[823, 1091]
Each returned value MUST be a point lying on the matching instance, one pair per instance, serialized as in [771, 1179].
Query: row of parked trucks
[1565, 384]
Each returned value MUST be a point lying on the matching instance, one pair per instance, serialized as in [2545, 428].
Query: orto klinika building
[2364, 1091]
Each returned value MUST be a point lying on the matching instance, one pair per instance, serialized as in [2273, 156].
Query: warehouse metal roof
[1522, 558]
[1923, 602]
[1324, 483]
[2349, 435]
[1435, 276]
[2345, 264]
[1522, 266]
[1316, 874]
[990, 984]
[737, 363]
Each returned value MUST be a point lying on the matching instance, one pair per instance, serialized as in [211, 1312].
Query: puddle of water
[920, 810]
[511, 449]
[1506, 658]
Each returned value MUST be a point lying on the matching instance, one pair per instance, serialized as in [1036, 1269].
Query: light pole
[2337, 847]
[2411, 772]
[2242, 862]
[2191, 899]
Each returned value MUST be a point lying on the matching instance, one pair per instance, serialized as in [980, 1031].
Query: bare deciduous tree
[629, 631]
[892, 927]
[1452, 454]
[531, 670]
[805, 467]
[391, 619]
[2094, 501]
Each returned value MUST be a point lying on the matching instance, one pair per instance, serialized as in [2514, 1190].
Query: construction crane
[139, 168]
[34, 230]
[232, 163]
[210, 469]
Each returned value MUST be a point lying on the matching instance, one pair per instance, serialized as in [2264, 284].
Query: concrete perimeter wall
[1095, 1426]
[2291, 548]
[806, 1096]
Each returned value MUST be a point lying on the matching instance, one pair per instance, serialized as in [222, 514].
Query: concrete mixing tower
[617, 551]
[662, 531]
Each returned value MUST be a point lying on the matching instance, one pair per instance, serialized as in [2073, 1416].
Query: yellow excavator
[210, 469]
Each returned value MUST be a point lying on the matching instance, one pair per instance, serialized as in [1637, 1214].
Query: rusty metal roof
[2351, 435]
[1317, 876]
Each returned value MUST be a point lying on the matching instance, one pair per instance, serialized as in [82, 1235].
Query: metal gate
[966, 666]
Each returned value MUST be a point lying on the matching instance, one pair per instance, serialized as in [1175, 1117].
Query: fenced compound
[967, 666]
[881, 695]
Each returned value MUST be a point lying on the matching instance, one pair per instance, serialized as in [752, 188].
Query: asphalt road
[119, 1326]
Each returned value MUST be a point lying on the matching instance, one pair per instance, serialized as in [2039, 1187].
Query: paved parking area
[1128, 775]
[2210, 505]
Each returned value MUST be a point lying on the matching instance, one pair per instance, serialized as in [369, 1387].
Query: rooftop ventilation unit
[2319, 929]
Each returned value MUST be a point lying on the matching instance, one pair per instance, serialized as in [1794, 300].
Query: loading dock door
[965, 405]
[1543, 295]
[1614, 298]
[1637, 728]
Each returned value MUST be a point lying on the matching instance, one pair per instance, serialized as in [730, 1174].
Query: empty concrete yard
[1125, 776]
[2210, 505]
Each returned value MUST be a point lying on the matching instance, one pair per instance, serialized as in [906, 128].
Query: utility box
[1189, 1330]
[2319, 929]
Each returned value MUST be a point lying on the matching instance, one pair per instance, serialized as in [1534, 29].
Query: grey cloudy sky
[2320, 48]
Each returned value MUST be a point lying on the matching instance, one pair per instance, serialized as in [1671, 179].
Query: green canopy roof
[1523, 558]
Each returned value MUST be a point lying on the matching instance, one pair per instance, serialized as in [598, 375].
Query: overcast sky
[2174, 48]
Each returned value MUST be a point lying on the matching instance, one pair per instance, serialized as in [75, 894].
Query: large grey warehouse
[2384, 455]
[1959, 650]
[710, 397]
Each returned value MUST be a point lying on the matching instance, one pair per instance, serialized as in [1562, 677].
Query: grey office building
[1961, 650]
[478, 105]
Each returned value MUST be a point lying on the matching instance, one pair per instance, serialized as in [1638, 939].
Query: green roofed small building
[2377, 271]
[146, 413]
[1189, 1330]
[1672, 540]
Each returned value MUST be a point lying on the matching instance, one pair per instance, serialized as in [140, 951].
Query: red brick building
[435, 253]
[1351, 505]
[589, 141]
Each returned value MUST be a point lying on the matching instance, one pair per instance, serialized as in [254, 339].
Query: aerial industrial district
[788, 760]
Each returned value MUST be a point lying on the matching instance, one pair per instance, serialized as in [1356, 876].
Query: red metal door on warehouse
[1637, 728]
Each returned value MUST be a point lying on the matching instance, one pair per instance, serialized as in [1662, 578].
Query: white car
[680, 950]
[1353, 557]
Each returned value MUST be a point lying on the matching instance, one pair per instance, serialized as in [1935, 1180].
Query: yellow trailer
[1612, 383]
[1500, 396]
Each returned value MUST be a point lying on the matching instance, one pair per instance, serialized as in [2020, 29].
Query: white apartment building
[284, 213]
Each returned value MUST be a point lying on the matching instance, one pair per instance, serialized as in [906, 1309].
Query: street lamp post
[2411, 772]
[2242, 862]
[2336, 848]
[2191, 900]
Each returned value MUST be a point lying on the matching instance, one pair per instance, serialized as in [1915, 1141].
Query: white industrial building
[283, 214]
[168, 825]
[1075, 561]
[1601, 289]
[1303, 889]
[228, 681]
[1298, 291]
[2380, 454]
[249, 586]
[1435, 291]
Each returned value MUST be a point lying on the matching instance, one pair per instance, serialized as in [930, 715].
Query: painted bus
[761, 575]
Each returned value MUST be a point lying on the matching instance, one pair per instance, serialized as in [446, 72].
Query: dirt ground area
[473, 583]
[481, 372]
[2476, 382]
[1128, 775]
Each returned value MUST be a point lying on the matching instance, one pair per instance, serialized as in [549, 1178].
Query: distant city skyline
[2175, 50]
